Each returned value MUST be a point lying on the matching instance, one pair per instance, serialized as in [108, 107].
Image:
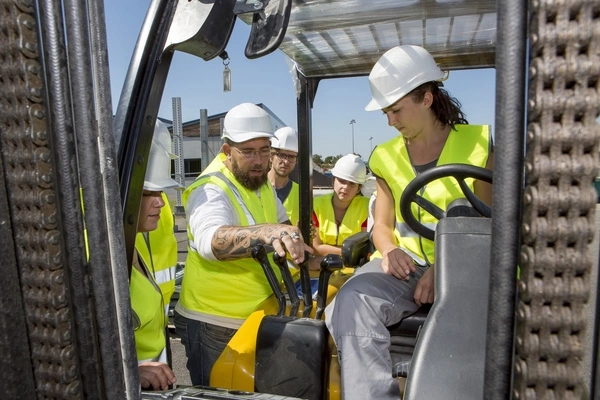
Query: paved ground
[177, 349]
[179, 360]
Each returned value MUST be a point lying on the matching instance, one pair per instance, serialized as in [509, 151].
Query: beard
[251, 183]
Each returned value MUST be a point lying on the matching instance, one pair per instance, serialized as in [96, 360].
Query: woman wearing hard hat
[344, 212]
[146, 297]
[399, 278]
[161, 242]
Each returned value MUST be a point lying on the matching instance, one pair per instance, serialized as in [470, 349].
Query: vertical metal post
[221, 127]
[304, 114]
[511, 67]
[204, 161]
[178, 151]
[352, 123]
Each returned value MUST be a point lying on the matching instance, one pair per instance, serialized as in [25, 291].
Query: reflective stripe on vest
[230, 289]
[405, 230]
[165, 276]
[355, 216]
[467, 144]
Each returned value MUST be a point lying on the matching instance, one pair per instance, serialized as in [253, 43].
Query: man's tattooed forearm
[233, 242]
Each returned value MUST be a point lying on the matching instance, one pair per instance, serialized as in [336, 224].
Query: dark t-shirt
[419, 169]
[284, 192]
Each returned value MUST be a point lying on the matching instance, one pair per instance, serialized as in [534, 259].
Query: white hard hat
[400, 70]
[158, 170]
[285, 138]
[350, 168]
[245, 122]
[163, 137]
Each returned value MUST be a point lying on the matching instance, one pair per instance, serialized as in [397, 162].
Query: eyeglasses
[286, 157]
[249, 154]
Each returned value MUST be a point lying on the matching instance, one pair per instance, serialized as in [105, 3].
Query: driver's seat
[449, 356]
[441, 348]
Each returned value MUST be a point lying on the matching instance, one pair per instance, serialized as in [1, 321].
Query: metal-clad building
[193, 143]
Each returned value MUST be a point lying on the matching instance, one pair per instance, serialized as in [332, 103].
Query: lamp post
[371, 142]
[352, 123]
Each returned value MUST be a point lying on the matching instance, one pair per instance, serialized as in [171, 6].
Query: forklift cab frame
[56, 115]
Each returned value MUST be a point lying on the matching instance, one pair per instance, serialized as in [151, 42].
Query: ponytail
[445, 107]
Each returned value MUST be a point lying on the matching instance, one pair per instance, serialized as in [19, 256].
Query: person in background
[400, 276]
[231, 207]
[344, 212]
[147, 300]
[284, 154]
[369, 190]
[161, 242]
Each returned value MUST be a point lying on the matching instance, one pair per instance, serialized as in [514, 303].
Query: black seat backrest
[356, 249]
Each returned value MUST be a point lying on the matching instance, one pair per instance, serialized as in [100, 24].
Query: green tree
[331, 160]
[317, 159]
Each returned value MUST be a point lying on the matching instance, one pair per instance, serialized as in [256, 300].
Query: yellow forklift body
[235, 367]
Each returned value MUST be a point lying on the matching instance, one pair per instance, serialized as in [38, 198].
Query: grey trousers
[357, 319]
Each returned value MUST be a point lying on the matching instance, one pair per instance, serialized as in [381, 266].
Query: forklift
[67, 330]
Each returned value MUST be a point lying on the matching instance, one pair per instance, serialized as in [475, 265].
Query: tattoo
[235, 242]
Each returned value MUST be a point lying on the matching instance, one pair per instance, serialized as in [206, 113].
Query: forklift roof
[328, 38]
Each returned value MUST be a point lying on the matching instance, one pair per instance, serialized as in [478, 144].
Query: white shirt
[208, 209]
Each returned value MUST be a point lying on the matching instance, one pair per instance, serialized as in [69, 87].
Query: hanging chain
[559, 199]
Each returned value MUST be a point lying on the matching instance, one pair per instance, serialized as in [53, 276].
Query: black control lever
[259, 253]
[329, 264]
[289, 283]
[305, 284]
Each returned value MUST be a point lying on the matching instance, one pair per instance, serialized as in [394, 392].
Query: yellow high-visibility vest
[466, 144]
[292, 204]
[355, 215]
[147, 304]
[162, 244]
[227, 289]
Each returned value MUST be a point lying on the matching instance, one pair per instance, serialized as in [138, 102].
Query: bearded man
[230, 208]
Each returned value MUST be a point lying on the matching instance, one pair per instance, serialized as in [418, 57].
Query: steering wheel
[460, 172]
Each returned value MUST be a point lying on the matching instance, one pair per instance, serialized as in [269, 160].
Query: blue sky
[267, 80]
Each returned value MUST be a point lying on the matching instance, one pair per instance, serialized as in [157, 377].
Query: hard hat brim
[374, 105]
[158, 185]
[244, 137]
[346, 177]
